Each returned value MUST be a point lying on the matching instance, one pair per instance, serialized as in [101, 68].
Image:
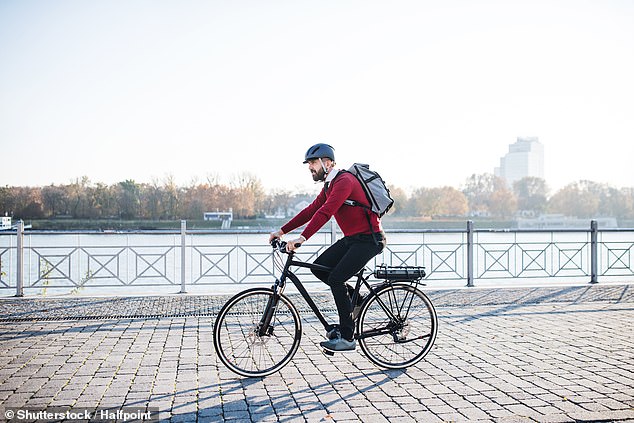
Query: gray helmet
[318, 151]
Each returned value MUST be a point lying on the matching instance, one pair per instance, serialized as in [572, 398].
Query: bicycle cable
[278, 262]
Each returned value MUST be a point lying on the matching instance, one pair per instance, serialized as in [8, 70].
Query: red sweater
[352, 220]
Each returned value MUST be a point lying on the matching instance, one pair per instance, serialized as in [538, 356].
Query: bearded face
[319, 168]
[318, 174]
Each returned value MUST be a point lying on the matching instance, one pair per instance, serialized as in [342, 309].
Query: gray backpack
[375, 189]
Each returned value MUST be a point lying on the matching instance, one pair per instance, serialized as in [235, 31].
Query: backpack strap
[367, 210]
[354, 203]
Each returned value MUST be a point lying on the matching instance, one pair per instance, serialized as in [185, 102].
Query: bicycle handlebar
[280, 245]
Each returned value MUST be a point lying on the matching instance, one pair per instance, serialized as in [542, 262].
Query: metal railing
[186, 259]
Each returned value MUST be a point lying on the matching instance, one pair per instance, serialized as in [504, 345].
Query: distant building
[225, 217]
[5, 222]
[559, 221]
[525, 158]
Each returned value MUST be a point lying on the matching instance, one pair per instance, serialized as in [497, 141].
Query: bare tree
[488, 194]
[442, 201]
[532, 194]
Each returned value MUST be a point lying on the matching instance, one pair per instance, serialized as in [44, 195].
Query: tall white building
[525, 158]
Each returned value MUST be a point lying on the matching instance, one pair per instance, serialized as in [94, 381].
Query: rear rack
[399, 273]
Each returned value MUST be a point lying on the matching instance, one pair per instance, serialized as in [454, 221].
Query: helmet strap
[323, 166]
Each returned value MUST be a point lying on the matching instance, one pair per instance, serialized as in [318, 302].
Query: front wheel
[397, 327]
[251, 344]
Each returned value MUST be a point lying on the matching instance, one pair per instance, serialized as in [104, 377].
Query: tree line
[490, 196]
[481, 195]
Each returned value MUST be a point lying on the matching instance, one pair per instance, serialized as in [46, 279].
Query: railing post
[183, 255]
[470, 253]
[19, 281]
[594, 252]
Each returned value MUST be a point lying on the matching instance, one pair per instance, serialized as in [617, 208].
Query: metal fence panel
[199, 259]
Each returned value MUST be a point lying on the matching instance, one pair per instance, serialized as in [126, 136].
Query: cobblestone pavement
[517, 355]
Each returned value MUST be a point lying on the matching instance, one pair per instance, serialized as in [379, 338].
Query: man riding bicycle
[363, 236]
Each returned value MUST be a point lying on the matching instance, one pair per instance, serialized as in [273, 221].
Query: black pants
[346, 257]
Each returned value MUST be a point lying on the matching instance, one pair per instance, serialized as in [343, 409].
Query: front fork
[264, 327]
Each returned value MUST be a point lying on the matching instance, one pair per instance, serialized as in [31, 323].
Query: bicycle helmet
[319, 151]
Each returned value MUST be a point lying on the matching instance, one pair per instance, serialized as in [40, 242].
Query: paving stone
[500, 356]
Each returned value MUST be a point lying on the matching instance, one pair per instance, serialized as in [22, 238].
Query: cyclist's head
[320, 151]
[315, 158]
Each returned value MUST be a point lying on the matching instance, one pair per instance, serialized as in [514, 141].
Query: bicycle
[258, 331]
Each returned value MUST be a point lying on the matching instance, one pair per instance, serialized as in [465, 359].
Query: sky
[427, 92]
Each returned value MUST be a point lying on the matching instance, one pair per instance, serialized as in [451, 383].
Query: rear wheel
[249, 345]
[397, 327]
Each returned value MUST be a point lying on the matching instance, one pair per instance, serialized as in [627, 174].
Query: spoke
[239, 343]
[404, 338]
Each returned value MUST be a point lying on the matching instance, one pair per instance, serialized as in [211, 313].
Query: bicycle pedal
[328, 352]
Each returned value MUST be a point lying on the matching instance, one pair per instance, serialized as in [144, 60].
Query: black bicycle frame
[287, 273]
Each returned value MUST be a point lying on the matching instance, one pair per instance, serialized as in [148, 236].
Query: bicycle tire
[402, 341]
[237, 340]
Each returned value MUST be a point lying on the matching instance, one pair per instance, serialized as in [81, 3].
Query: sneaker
[339, 344]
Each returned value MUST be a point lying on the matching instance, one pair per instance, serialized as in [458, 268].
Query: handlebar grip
[280, 245]
[277, 244]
